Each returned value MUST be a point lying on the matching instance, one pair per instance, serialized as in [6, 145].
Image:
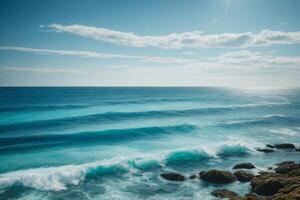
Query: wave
[41, 108]
[58, 178]
[269, 120]
[112, 117]
[286, 131]
[12, 144]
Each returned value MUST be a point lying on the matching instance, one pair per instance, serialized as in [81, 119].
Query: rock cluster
[283, 183]
[284, 146]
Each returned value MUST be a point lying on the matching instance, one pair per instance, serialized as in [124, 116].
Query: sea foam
[58, 178]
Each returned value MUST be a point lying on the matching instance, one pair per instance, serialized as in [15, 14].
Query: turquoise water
[113, 143]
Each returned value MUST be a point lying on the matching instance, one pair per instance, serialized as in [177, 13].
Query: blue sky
[246, 43]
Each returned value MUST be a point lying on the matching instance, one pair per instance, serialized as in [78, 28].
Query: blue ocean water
[114, 142]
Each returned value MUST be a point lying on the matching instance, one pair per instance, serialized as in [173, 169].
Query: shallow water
[113, 143]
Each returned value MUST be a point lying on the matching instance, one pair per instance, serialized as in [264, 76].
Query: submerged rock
[173, 176]
[217, 176]
[193, 176]
[244, 166]
[243, 176]
[285, 146]
[265, 150]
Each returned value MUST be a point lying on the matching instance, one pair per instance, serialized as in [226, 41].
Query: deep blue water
[113, 143]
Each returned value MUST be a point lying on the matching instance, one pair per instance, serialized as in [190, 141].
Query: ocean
[114, 142]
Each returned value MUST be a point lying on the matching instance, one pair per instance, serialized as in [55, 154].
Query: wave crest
[58, 178]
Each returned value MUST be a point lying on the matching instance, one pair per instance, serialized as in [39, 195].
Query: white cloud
[40, 70]
[238, 59]
[194, 39]
[90, 54]
[245, 58]
[87, 54]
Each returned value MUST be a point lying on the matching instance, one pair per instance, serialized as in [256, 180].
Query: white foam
[285, 131]
[58, 178]
[52, 178]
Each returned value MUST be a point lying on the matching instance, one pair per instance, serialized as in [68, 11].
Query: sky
[224, 43]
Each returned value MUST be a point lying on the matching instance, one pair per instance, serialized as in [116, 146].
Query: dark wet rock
[265, 150]
[270, 146]
[267, 184]
[173, 176]
[295, 172]
[227, 194]
[223, 193]
[293, 195]
[285, 163]
[217, 176]
[287, 168]
[285, 146]
[253, 196]
[263, 172]
[244, 166]
[283, 184]
[297, 149]
[291, 190]
[193, 176]
[270, 168]
[243, 176]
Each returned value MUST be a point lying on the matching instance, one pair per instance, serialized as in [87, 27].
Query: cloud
[242, 59]
[246, 58]
[40, 70]
[90, 54]
[194, 39]
[87, 54]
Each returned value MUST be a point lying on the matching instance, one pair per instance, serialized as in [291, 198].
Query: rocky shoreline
[281, 182]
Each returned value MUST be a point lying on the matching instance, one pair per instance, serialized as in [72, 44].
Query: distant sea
[114, 142]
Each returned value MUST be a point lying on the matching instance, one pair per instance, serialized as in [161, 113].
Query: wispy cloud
[40, 70]
[242, 58]
[194, 39]
[90, 54]
[87, 54]
[245, 58]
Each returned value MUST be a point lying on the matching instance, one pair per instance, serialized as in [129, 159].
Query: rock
[217, 176]
[293, 195]
[295, 172]
[267, 184]
[223, 193]
[298, 149]
[263, 172]
[287, 168]
[285, 146]
[270, 146]
[173, 176]
[193, 176]
[253, 196]
[285, 163]
[243, 176]
[291, 190]
[266, 150]
[244, 166]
